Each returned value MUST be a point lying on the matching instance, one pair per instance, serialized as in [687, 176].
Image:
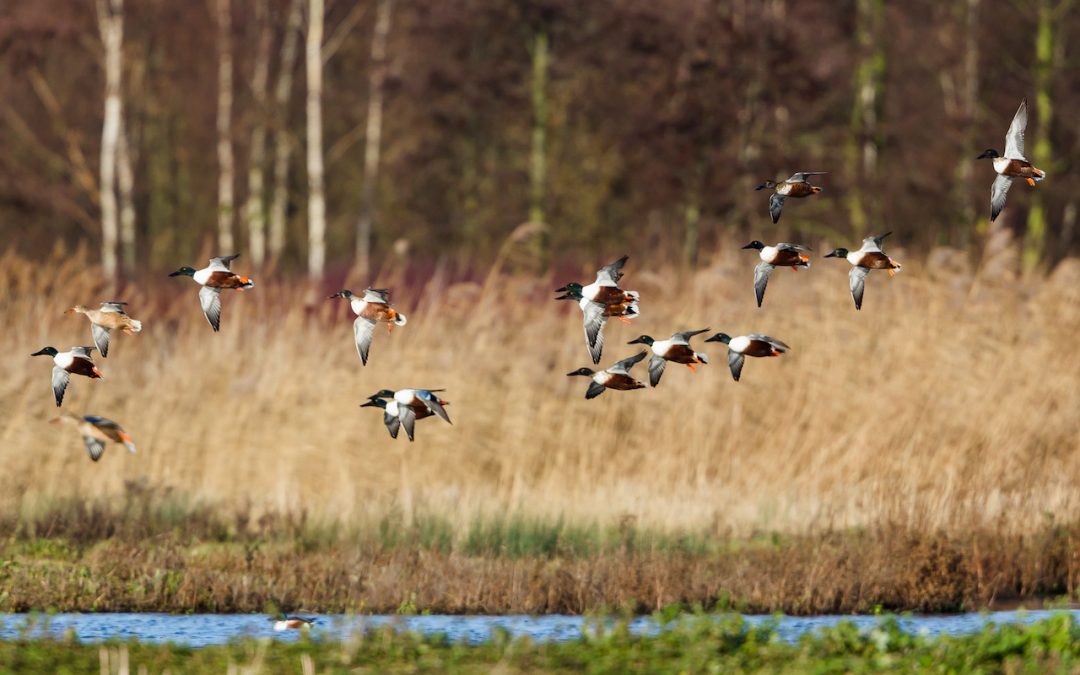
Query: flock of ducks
[600, 300]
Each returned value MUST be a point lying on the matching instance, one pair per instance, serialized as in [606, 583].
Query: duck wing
[223, 262]
[873, 243]
[436, 407]
[594, 328]
[656, 369]
[735, 363]
[363, 329]
[776, 203]
[784, 246]
[684, 336]
[380, 296]
[623, 367]
[771, 340]
[113, 307]
[1014, 139]
[60, 379]
[393, 424]
[83, 352]
[407, 417]
[612, 272]
[857, 282]
[998, 191]
[800, 176]
[95, 447]
[761, 280]
[594, 390]
[210, 299]
[101, 338]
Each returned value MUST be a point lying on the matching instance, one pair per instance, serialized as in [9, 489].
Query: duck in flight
[1012, 165]
[408, 405]
[77, 361]
[796, 186]
[616, 376]
[214, 278]
[96, 432]
[780, 255]
[869, 257]
[111, 316]
[676, 349]
[600, 300]
[754, 344]
[370, 309]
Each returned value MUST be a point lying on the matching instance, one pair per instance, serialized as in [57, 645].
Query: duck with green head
[676, 349]
[869, 257]
[65, 364]
[617, 376]
[1012, 164]
[214, 278]
[796, 186]
[754, 344]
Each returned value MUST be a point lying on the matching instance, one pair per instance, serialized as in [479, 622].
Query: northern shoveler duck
[676, 349]
[76, 361]
[96, 432]
[392, 414]
[284, 622]
[111, 316]
[595, 315]
[599, 300]
[754, 344]
[796, 186]
[615, 377]
[869, 257]
[370, 309]
[781, 255]
[214, 278]
[1013, 164]
[410, 405]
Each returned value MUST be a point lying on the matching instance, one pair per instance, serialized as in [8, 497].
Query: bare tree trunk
[538, 152]
[111, 25]
[869, 79]
[969, 113]
[316, 195]
[254, 209]
[226, 168]
[373, 136]
[282, 145]
[127, 199]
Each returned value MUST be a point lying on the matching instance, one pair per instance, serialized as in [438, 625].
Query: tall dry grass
[949, 402]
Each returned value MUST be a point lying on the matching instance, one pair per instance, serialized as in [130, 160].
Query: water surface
[199, 630]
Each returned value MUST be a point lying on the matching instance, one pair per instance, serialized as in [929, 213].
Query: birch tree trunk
[226, 167]
[373, 135]
[282, 144]
[127, 197]
[111, 25]
[254, 209]
[316, 194]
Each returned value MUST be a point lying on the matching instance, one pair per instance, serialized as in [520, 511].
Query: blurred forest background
[322, 135]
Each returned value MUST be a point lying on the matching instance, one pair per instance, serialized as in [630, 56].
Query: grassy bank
[143, 554]
[692, 644]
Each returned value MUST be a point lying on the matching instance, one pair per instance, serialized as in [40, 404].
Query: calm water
[208, 629]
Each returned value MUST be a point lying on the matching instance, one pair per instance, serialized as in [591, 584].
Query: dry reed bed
[948, 403]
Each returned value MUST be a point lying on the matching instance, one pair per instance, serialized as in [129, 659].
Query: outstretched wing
[771, 340]
[113, 307]
[101, 338]
[84, 351]
[60, 378]
[873, 243]
[94, 446]
[684, 336]
[594, 390]
[363, 329]
[210, 299]
[761, 280]
[800, 176]
[223, 262]
[1014, 140]
[436, 407]
[392, 424]
[776, 203]
[380, 296]
[998, 192]
[857, 281]
[784, 246]
[407, 417]
[735, 363]
[656, 369]
[594, 328]
[612, 272]
[626, 364]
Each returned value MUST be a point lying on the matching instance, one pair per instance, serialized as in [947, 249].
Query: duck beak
[564, 289]
[39, 353]
[335, 295]
[176, 273]
[831, 255]
[563, 297]
[761, 187]
[370, 404]
[748, 246]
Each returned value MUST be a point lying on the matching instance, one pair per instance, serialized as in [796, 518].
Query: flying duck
[214, 278]
[111, 316]
[392, 414]
[76, 361]
[612, 301]
[796, 186]
[869, 257]
[615, 377]
[370, 310]
[1012, 164]
[96, 432]
[675, 349]
[409, 405]
[754, 344]
[781, 255]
